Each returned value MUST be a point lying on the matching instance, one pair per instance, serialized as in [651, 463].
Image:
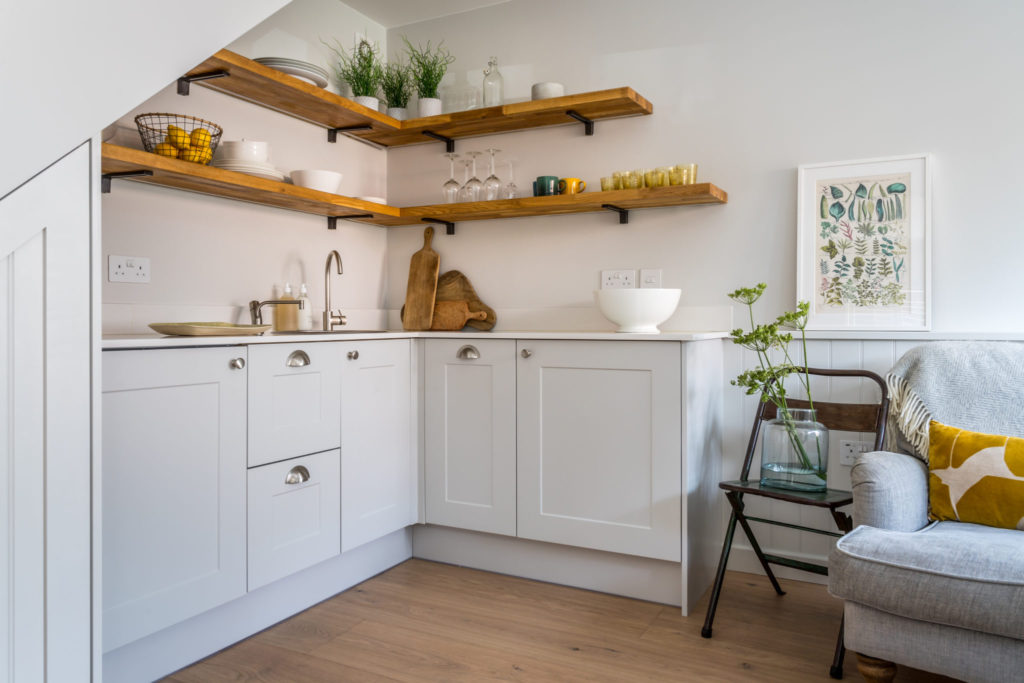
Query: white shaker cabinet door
[294, 515]
[470, 434]
[378, 461]
[599, 445]
[173, 486]
[294, 400]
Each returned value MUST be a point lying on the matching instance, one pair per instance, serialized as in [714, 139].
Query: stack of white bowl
[246, 156]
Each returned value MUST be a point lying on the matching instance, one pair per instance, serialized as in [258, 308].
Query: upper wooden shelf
[270, 88]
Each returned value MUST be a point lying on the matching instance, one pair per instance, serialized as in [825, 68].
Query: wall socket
[127, 269]
[618, 279]
[849, 450]
[650, 278]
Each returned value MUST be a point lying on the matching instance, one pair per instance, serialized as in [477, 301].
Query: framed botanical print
[863, 243]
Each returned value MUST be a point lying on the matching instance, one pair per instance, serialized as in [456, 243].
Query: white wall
[210, 256]
[748, 90]
[71, 66]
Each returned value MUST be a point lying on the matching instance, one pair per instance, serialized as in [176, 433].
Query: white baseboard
[635, 577]
[166, 651]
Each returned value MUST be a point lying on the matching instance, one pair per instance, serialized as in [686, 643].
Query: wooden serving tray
[207, 329]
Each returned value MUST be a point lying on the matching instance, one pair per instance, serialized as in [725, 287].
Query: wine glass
[492, 185]
[473, 186]
[464, 191]
[451, 186]
[509, 191]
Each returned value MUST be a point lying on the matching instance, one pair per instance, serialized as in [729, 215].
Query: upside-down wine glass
[473, 186]
[492, 185]
[464, 193]
[451, 186]
[509, 191]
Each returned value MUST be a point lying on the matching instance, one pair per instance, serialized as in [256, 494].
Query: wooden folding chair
[851, 417]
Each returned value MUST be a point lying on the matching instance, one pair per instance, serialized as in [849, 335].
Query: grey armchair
[945, 597]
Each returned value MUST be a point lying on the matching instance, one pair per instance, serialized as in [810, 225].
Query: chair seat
[951, 573]
[829, 498]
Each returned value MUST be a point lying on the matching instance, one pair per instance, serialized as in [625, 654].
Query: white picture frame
[864, 243]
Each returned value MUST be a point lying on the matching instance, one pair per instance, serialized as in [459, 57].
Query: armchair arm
[890, 491]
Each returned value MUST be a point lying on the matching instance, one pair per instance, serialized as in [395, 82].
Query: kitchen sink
[305, 332]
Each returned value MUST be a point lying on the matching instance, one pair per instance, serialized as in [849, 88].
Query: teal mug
[545, 185]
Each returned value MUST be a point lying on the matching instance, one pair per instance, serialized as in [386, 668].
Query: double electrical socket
[127, 269]
[849, 450]
[626, 279]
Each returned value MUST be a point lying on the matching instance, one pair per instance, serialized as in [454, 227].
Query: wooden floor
[424, 621]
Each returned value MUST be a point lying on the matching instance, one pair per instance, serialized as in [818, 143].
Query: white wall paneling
[45, 448]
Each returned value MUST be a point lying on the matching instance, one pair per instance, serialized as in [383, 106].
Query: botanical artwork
[863, 241]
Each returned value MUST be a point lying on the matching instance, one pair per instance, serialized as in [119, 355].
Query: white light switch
[127, 269]
[650, 277]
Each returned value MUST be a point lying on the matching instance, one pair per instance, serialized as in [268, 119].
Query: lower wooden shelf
[192, 177]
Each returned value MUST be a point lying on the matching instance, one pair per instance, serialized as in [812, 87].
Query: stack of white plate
[246, 156]
[260, 169]
[310, 73]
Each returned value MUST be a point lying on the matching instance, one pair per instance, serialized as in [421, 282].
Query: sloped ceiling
[392, 13]
[68, 68]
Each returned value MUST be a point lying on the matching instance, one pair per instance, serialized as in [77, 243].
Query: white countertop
[157, 341]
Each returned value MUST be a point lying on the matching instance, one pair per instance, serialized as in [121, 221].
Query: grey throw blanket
[977, 386]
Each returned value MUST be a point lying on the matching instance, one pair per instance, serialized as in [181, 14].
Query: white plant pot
[368, 102]
[400, 113]
[429, 106]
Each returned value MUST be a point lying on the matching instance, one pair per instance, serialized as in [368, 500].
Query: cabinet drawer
[294, 401]
[294, 515]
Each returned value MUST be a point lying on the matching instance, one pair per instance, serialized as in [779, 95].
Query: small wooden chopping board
[453, 315]
[422, 287]
[454, 286]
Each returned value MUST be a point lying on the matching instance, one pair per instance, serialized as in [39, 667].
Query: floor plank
[425, 621]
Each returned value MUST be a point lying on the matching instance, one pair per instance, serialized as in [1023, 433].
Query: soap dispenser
[285, 315]
[305, 311]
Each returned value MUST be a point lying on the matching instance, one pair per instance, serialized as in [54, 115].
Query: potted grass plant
[429, 65]
[396, 84]
[794, 449]
[361, 69]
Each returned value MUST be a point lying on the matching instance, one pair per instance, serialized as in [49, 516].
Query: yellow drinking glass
[676, 176]
[632, 180]
[608, 184]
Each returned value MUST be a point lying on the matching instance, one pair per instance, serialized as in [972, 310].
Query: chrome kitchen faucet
[331, 318]
[256, 307]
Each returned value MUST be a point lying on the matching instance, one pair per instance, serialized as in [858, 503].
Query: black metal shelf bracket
[107, 177]
[623, 213]
[185, 81]
[588, 124]
[332, 221]
[332, 133]
[449, 227]
[449, 143]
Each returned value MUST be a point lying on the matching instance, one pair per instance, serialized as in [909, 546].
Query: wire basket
[179, 136]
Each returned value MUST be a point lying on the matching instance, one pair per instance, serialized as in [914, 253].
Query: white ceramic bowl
[243, 150]
[542, 91]
[325, 181]
[637, 310]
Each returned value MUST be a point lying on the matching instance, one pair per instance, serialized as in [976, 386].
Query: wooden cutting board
[453, 315]
[454, 286]
[422, 287]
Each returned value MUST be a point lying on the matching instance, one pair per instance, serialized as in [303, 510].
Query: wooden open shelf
[262, 85]
[186, 175]
[192, 177]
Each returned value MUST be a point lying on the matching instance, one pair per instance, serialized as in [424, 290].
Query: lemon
[205, 154]
[191, 154]
[200, 137]
[165, 149]
[178, 137]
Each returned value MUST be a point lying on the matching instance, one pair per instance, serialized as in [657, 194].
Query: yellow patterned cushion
[974, 477]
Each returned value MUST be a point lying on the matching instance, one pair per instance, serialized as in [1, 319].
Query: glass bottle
[494, 84]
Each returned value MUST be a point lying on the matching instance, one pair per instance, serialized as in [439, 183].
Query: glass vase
[794, 451]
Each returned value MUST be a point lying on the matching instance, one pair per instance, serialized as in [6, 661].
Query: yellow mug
[571, 186]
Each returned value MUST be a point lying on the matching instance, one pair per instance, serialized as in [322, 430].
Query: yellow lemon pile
[194, 146]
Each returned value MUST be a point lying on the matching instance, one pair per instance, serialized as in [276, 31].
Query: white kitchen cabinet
[378, 461]
[599, 439]
[294, 515]
[470, 434]
[174, 503]
[294, 400]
